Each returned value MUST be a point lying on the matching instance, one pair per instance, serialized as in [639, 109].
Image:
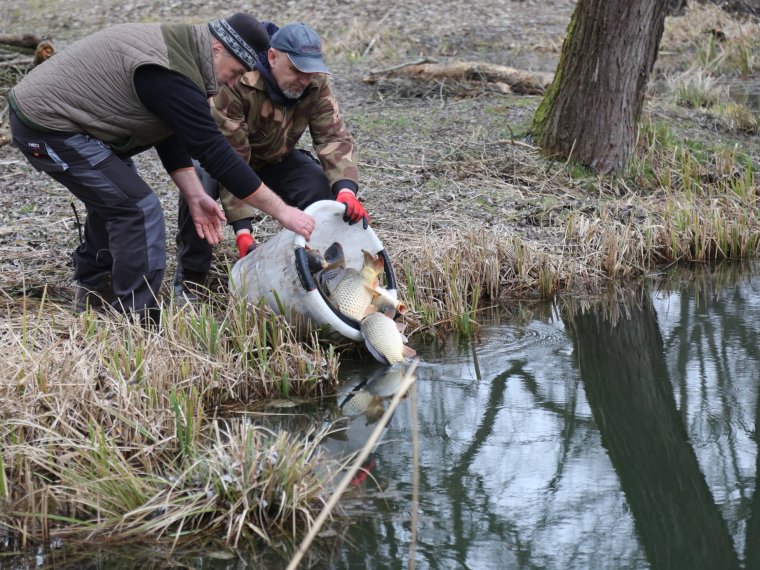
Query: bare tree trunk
[590, 111]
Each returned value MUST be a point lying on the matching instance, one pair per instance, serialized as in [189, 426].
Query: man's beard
[292, 94]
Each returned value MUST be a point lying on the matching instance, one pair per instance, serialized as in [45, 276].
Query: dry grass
[703, 21]
[113, 431]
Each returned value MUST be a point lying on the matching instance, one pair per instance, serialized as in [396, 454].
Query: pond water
[619, 436]
[618, 433]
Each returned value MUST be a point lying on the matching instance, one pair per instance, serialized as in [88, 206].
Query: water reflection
[361, 403]
[617, 433]
[625, 377]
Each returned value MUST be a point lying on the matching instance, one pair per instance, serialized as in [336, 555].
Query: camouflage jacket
[262, 131]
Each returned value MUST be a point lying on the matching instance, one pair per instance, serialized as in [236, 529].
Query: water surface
[620, 436]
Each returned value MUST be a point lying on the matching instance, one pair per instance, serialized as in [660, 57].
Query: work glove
[245, 244]
[354, 209]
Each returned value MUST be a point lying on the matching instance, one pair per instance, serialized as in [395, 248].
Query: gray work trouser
[124, 230]
[298, 179]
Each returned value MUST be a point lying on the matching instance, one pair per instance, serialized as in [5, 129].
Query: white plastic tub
[277, 272]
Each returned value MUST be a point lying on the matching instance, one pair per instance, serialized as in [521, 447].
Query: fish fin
[369, 310]
[372, 290]
[374, 352]
[390, 312]
[334, 255]
[408, 351]
[329, 279]
[400, 326]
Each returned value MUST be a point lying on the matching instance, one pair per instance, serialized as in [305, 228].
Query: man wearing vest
[264, 115]
[81, 115]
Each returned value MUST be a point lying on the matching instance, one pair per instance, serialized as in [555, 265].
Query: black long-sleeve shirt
[179, 102]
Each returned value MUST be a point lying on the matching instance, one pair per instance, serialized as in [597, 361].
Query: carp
[383, 300]
[351, 291]
[384, 338]
[358, 294]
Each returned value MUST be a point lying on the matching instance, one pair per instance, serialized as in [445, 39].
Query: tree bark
[589, 112]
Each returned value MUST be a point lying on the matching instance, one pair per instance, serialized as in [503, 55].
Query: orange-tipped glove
[354, 209]
[245, 244]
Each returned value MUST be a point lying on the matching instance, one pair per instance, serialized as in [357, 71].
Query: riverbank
[470, 212]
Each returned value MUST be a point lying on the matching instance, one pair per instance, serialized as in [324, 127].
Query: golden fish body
[384, 339]
[361, 402]
[353, 294]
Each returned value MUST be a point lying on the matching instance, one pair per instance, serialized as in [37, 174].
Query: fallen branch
[17, 62]
[21, 40]
[388, 70]
[519, 81]
[43, 49]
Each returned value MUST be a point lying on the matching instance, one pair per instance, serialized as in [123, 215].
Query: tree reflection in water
[617, 433]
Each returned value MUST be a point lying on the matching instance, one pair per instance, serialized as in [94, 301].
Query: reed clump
[112, 431]
[448, 277]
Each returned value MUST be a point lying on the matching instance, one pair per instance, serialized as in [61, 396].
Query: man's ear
[216, 46]
[271, 56]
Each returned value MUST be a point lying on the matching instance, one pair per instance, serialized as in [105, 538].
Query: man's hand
[297, 221]
[245, 243]
[289, 217]
[354, 209]
[207, 216]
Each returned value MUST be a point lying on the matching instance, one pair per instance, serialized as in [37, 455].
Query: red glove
[354, 209]
[245, 244]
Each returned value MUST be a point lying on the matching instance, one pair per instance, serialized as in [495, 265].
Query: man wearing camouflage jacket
[263, 117]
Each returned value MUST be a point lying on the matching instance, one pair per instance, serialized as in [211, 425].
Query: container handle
[390, 277]
[302, 268]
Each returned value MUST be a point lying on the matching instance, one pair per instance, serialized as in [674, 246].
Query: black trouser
[298, 179]
[124, 230]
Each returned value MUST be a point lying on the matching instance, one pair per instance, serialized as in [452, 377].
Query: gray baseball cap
[302, 45]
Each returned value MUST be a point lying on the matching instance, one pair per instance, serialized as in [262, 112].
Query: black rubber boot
[95, 292]
[187, 285]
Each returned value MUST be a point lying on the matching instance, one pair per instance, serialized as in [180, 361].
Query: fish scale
[383, 338]
[352, 291]
[352, 296]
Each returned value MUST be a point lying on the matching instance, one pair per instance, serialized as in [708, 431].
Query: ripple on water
[527, 341]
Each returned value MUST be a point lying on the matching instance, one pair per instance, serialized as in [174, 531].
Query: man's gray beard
[289, 94]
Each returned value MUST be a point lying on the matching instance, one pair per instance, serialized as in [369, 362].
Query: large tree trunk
[590, 111]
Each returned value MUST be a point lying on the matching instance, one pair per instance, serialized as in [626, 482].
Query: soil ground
[432, 157]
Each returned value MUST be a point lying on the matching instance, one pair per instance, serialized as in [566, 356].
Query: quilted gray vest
[88, 86]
